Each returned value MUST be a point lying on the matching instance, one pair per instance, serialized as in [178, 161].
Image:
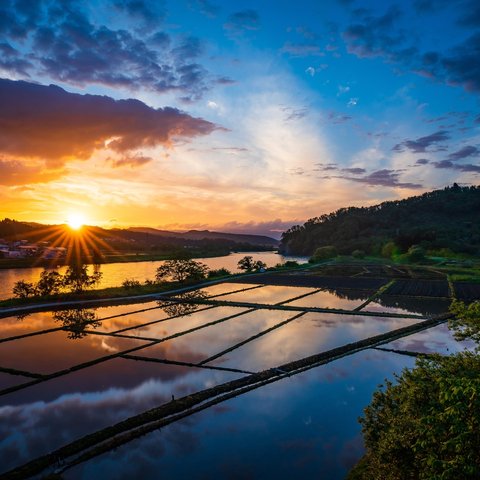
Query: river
[115, 273]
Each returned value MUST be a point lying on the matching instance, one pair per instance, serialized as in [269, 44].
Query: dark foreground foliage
[427, 426]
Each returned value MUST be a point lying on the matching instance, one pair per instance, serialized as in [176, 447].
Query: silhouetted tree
[77, 279]
[181, 270]
[249, 265]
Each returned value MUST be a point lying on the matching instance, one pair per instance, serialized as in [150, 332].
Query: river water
[115, 273]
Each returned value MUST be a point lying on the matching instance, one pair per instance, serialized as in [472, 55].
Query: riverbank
[114, 295]
[32, 262]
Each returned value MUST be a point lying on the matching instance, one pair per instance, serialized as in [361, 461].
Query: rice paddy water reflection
[99, 367]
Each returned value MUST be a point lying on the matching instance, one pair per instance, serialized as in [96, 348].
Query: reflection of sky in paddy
[437, 339]
[326, 299]
[51, 352]
[301, 427]
[7, 380]
[307, 335]
[267, 294]
[179, 324]
[203, 343]
[50, 414]
[127, 319]
[13, 326]
[224, 288]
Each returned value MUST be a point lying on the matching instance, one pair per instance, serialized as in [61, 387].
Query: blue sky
[254, 115]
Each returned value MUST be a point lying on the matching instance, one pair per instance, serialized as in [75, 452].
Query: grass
[104, 293]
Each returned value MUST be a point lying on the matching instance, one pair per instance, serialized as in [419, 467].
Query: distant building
[54, 253]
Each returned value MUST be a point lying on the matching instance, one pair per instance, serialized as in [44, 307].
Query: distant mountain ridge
[15, 230]
[448, 218]
[207, 234]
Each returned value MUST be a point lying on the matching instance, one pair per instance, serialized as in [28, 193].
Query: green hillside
[448, 218]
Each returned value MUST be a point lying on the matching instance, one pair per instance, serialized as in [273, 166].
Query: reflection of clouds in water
[105, 346]
[41, 426]
[127, 463]
[437, 339]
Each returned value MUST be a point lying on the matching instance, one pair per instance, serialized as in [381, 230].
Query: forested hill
[448, 218]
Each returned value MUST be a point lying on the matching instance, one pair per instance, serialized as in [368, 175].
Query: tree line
[447, 219]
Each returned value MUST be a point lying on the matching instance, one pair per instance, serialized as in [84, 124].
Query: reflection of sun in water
[76, 221]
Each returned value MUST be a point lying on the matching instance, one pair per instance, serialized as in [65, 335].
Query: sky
[242, 116]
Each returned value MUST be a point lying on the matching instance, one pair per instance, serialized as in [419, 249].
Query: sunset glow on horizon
[76, 221]
[243, 117]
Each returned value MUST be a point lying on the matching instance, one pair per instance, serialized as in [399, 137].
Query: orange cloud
[52, 124]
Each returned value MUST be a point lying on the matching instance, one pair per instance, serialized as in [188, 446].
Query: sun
[75, 221]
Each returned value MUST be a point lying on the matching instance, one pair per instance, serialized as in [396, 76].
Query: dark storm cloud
[243, 20]
[461, 65]
[383, 178]
[381, 36]
[50, 123]
[18, 17]
[421, 144]
[65, 45]
[422, 161]
[465, 152]
[373, 36]
[464, 167]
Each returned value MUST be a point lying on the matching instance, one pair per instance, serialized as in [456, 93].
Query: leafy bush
[324, 253]
[220, 272]
[130, 283]
[358, 254]
[389, 250]
[427, 425]
[416, 254]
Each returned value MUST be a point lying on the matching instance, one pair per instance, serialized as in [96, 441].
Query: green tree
[248, 264]
[181, 271]
[427, 425]
[416, 254]
[324, 253]
[389, 249]
[466, 323]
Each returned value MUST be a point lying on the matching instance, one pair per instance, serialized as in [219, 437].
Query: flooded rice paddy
[69, 373]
